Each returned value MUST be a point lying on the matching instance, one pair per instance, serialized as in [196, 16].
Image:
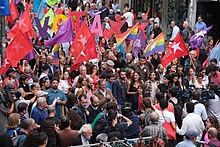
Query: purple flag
[64, 34]
[30, 55]
[16, 1]
[139, 43]
[197, 39]
[93, 13]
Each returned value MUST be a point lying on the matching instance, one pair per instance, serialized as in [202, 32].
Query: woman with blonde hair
[13, 123]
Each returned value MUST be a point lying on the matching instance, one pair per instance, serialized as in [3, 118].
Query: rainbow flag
[56, 52]
[157, 45]
[131, 32]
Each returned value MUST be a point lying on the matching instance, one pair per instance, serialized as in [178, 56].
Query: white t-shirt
[166, 115]
[130, 18]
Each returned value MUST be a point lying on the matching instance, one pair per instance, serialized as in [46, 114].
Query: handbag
[171, 133]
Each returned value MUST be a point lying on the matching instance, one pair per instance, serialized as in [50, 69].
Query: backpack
[100, 125]
[16, 136]
[177, 112]
[147, 118]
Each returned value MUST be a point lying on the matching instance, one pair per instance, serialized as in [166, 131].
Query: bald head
[185, 24]
[154, 117]
[212, 133]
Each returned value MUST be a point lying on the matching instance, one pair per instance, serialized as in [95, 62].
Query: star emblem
[6, 62]
[82, 40]
[21, 22]
[176, 46]
[201, 33]
[82, 53]
[17, 46]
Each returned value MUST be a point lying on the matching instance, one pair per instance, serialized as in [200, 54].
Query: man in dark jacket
[94, 109]
[133, 130]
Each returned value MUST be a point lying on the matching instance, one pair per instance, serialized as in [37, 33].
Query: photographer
[213, 104]
[6, 108]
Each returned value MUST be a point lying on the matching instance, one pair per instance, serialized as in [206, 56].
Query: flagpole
[3, 43]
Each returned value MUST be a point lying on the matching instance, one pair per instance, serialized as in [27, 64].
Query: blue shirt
[39, 115]
[119, 92]
[51, 97]
[186, 143]
[200, 26]
[108, 85]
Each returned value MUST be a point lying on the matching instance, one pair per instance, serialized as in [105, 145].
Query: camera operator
[6, 108]
[213, 104]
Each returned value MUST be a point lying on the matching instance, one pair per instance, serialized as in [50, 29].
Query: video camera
[8, 95]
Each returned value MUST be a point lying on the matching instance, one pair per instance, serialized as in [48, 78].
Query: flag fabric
[139, 43]
[36, 5]
[27, 7]
[24, 24]
[105, 33]
[5, 66]
[64, 34]
[93, 13]
[88, 52]
[30, 55]
[215, 53]
[133, 34]
[115, 27]
[40, 11]
[56, 51]
[52, 2]
[18, 48]
[197, 39]
[4, 8]
[16, 1]
[178, 49]
[121, 50]
[121, 37]
[51, 17]
[14, 13]
[80, 40]
[157, 45]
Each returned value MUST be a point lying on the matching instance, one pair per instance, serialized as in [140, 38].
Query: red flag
[14, 13]
[18, 48]
[80, 40]
[178, 49]
[5, 66]
[115, 27]
[24, 24]
[142, 26]
[105, 33]
[27, 7]
[89, 52]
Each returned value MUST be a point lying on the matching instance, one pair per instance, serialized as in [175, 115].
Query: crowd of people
[116, 96]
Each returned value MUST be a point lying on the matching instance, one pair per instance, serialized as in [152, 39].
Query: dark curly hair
[48, 128]
[76, 120]
[35, 139]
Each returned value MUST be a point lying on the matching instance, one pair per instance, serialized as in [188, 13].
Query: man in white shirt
[199, 107]
[130, 17]
[175, 31]
[191, 122]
